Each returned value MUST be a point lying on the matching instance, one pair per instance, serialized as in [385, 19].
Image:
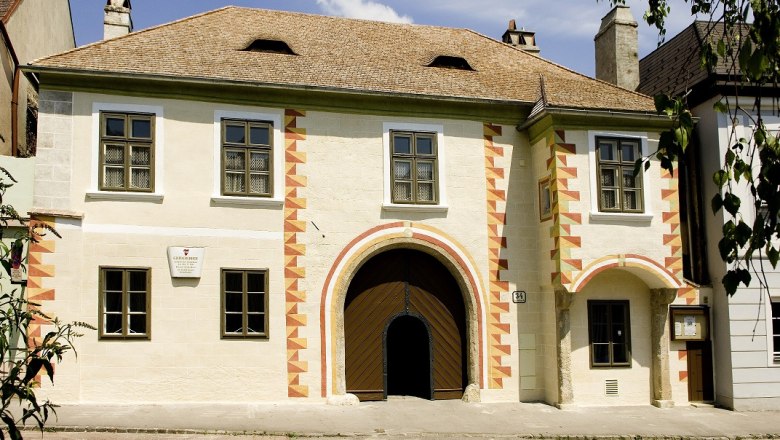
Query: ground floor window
[775, 330]
[125, 303]
[244, 303]
[609, 333]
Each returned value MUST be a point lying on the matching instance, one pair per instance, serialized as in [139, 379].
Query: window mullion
[125, 302]
[244, 303]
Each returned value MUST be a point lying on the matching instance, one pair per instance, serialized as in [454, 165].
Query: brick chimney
[117, 20]
[522, 38]
[617, 44]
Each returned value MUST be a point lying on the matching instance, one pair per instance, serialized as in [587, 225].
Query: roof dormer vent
[450, 62]
[270, 46]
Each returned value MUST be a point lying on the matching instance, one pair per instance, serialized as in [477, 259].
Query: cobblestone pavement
[404, 419]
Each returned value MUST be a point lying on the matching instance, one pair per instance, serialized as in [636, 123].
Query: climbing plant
[24, 356]
[749, 178]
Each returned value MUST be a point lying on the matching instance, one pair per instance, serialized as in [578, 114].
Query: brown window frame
[774, 330]
[247, 148]
[611, 344]
[125, 306]
[245, 334]
[620, 166]
[414, 157]
[127, 142]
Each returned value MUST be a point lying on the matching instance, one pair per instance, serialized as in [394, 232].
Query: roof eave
[563, 117]
[38, 70]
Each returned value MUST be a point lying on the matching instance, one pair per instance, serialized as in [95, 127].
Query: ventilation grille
[611, 387]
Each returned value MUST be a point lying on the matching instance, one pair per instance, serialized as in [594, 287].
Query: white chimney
[617, 60]
[117, 21]
[522, 38]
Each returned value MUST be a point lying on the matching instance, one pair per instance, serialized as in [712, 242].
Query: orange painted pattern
[497, 309]
[37, 272]
[673, 263]
[564, 218]
[294, 271]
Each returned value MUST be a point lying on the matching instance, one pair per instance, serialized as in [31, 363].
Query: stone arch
[649, 271]
[372, 242]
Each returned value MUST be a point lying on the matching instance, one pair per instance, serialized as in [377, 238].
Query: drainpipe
[14, 93]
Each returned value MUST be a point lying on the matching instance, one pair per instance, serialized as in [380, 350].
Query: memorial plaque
[185, 262]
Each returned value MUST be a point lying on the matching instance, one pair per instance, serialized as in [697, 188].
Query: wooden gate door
[700, 386]
[396, 283]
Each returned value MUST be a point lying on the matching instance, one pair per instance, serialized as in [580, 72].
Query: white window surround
[770, 348]
[159, 135]
[277, 199]
[617, 217]
[387, 203]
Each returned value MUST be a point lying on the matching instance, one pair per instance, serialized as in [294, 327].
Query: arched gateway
[444, 298]
[405, 329]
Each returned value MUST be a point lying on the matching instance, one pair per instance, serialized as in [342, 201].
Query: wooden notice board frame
[690, 323]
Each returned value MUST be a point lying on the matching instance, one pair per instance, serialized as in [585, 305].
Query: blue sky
[564, 28]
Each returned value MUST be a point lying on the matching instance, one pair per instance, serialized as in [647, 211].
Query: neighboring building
[746, 326]
[31, 29]
[367, 201]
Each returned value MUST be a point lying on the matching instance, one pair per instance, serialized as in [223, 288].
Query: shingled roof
[5, 6]
[675, 67]
[343, 55]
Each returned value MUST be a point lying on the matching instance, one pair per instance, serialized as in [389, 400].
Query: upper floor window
[414, 167]
[125, 302]
[608, 330]
[126, 152]
[247, 158]
[618, 189]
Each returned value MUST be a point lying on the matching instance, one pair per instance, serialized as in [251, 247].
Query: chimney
[617, 60]
[117, 21]
[522, 38]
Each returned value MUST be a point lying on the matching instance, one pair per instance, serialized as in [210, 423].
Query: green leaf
[730, 282]
[720, 107]
[731, 203]
[720, 178]
[730, 156]
[742, 233]
[717, 203]
[681, 135]
[773, 255]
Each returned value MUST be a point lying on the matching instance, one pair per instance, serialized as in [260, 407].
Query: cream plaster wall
[630, 234]
[186, 360]
[634, 383]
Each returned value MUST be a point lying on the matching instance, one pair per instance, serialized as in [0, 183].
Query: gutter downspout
[14, 93]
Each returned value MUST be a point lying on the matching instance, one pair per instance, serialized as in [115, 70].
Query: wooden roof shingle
[343, 55]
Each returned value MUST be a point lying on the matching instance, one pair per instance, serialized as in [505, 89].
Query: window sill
[619, 217]
[247, 201]
[125, 196]
[414, 208]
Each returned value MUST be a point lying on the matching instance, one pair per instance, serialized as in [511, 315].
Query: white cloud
[365, 9]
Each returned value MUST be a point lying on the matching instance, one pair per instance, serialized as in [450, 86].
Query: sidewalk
[403, 417]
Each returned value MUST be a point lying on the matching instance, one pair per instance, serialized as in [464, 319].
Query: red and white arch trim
[368, 244]
[650, 271]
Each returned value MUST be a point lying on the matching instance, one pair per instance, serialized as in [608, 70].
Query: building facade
[381, 210]
[746, 326]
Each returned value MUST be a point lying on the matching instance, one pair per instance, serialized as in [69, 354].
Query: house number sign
[518, 296]
[185, 262]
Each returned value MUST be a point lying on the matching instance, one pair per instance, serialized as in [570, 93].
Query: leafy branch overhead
[749, 178]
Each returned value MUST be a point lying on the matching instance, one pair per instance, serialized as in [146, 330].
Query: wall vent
[611, 387]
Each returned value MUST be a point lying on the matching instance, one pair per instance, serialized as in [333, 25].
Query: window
[609, 333]
[126, 152]
[247, 158]
[775, 330]
[619, 190]
[125, 303]
[244, 303]
[414, 167]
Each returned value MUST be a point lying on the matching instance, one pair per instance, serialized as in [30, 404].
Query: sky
[564, 28]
